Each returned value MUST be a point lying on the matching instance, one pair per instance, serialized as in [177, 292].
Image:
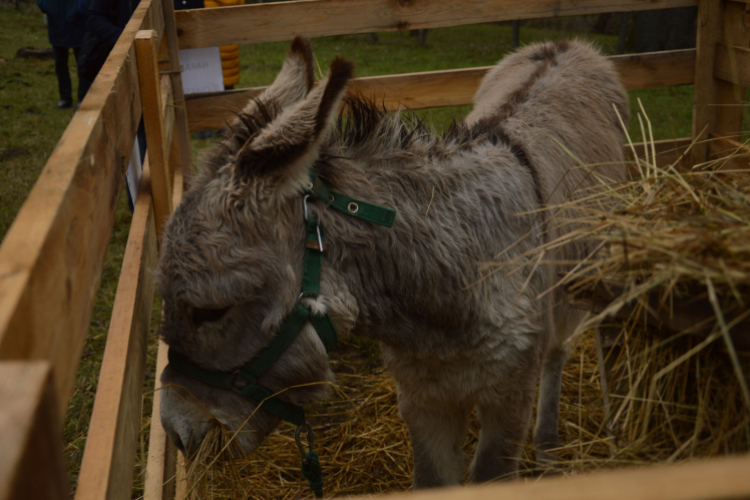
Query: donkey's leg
[437, 435]
[546, 436]
[505, 425]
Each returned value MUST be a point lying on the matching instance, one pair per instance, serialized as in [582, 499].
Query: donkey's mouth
[218, 445]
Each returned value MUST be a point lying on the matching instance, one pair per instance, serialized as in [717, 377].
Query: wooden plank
[734, 154]
[214, 110]
[313, 18]
[174, 68]
[717, 479]
[53, 254]
[30, 440]
[732, 93]
[656, 69]
[733, 64]
[161, 464]
[112, 441]
[446, 88]
[168, 112]
[162, 455]
[706, 90]
[146, 48]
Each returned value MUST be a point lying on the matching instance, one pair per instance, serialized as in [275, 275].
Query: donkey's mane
[368, 131]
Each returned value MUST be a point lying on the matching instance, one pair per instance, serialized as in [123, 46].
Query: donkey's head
[232, 264]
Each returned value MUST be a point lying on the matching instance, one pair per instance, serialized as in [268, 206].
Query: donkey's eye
[208, 315]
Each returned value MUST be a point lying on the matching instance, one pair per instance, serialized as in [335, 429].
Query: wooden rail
[313, 18]
[718, 479]
[718, 95]
[449, 87]
[30, 439]
[52, 256]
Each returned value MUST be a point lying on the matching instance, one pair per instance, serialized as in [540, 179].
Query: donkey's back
[559, 94]
[555, 107]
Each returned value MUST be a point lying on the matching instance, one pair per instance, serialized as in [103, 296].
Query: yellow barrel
[230, 54]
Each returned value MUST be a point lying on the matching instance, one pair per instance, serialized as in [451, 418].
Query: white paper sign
[201, 70]
[135, 169]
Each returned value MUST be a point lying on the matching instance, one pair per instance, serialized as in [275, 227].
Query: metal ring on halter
[304, 204]
[310, 440]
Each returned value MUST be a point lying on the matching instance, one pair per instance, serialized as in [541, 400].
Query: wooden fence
[52, 257]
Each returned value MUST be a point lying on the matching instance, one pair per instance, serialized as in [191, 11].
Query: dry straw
[675, 243]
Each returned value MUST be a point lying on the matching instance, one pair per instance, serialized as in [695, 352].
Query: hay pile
[676, 244]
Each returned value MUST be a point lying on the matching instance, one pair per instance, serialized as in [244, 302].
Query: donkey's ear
[294, 81]
[284, 150]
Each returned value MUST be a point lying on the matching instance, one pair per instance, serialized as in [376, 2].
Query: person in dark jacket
[107, 18]
[66, 29]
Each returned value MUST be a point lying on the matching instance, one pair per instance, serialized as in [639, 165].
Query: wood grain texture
[313, 18]
[710, 31]
[162, 455]
[109, 457]
[446, 88]
[146, 47]
[717, 479]
[732, 91]
[173, 65]
[53, 254]
[656, 69]
[735, 155]
[168, 112]
[733, 65]
[32, 466]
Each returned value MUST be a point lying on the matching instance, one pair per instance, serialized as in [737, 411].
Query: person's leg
[63, 77]
[83, 83]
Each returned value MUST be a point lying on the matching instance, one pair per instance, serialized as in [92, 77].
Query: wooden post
[731, 95]
[717, 106]
[162, 455]
[181, 124]
[147, 48]
[112, 441]
[710, 26]
[31, 457]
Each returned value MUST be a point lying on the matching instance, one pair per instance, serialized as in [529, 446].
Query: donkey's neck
[420, 284]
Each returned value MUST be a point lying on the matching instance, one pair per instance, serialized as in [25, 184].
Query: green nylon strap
[364, 210]
[313, 259]
[313, 472]
[326, 331]
[287, 332]
[187, 367]
[266, 400]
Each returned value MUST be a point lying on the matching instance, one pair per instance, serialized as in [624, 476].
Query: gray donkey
[456, 333]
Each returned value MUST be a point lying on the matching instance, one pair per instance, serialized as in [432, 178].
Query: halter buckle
[310, 440]
[241, 382]
[304, 205]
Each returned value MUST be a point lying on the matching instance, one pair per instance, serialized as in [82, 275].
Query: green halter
[244, 379]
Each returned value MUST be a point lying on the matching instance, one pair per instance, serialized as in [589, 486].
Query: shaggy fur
[454, 334]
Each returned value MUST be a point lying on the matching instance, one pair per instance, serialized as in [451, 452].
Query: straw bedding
[672, 393]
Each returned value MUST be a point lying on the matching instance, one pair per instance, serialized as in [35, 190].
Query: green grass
[669, 108]
[30, 127]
